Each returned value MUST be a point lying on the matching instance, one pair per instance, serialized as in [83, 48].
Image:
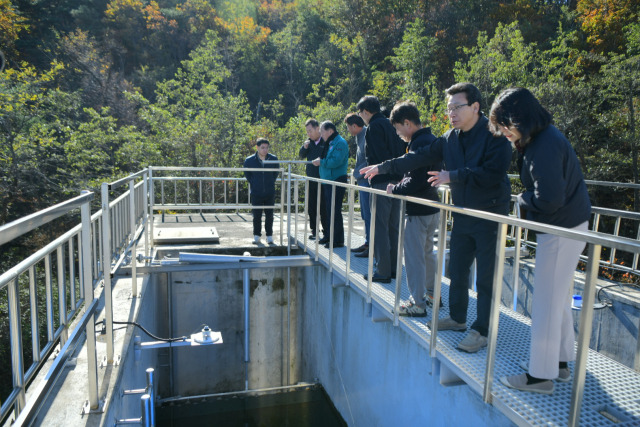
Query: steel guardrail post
[494, 318]
[351, 203]
[151, 391]
[62, 295]
[435, 309]
[145, 214]
[85, 268]
[152, 202]
[372, 240]
[318, 194]
[306, 211]
[289, 237]
[15, 332]
[396, 303]
[106, 265]
[332, 225]
[584, 334]
[132, 223]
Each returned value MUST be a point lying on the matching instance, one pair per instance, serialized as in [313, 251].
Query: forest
[92, 90]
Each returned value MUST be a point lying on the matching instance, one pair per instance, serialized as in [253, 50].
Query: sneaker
[312, 237]
[270, 240]
[472, 342]
[363, 254]
[519, 382]
[409, 309]
[564, 374]
[448, 324]
[256, 239]
[429, 298]
[324, 240]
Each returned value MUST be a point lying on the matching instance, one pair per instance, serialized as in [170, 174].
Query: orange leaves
[245, 28]
[604, 20]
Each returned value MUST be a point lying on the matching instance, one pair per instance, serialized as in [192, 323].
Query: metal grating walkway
[610, 387]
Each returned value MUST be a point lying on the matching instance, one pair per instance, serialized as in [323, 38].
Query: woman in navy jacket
[555, 193]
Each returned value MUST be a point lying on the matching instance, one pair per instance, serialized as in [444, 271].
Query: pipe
[245, 292]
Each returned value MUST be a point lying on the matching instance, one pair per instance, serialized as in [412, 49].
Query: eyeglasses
[455, 108]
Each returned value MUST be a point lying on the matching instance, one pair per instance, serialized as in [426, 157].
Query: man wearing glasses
[475, 167]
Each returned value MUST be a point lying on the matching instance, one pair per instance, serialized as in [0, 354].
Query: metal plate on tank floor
[206, 234]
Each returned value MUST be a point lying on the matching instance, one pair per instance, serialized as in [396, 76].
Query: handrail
[21, 226]
[595, 241]
[11, 278]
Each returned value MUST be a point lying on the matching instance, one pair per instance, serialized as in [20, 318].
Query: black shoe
[335, 245]
[361, 248]
[377, 278]
[363, 254]
[312, 237]
[324, 240]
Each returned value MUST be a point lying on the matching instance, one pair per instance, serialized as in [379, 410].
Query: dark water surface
[300, 408]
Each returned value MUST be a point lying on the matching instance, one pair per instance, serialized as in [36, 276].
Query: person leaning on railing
[475, 167]
[556, 194]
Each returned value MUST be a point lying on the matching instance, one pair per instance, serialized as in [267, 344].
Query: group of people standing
[400, 156]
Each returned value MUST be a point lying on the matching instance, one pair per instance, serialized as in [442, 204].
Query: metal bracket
[86, 408]
[116, 361]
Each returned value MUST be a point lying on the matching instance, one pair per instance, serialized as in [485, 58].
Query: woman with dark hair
[555, 193]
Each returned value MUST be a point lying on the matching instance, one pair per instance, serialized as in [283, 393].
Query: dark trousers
[338, 225]
[312, 202]
[472, 238]
[268, 214]
[387, 221]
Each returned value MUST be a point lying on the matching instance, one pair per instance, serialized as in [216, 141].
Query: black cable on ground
[102, 322]
[607, 302]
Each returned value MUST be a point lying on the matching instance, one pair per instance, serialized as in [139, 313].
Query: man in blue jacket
[333, 167]
[262, 186]
[475, 167]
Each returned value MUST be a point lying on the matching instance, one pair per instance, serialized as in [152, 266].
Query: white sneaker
[270, 240]
[256, 239]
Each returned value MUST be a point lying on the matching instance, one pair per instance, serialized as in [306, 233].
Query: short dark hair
[518, 107]
[261, 141]
[354, 119]
[312, 122]
[327, 124]
[369, 103]
[471, 92]
[406, 110]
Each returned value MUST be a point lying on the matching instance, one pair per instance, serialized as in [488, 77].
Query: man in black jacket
[311, 149]
[263, 189]
[382, 143]
[476, 166]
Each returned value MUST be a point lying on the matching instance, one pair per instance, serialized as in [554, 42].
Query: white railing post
[495, 311]
[584, 334]
[132, 226]
[106, 265]
[15, 332]
[85, 268]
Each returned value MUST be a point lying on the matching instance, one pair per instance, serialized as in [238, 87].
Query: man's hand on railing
[369, 171]
[316, 162]
[439, 178]
[390, 188]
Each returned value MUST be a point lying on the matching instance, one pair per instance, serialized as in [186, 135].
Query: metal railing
[107, 237]
[595, 241]
[73, 274]
[206, 193]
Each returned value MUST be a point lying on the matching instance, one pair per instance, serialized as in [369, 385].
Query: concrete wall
[376, 374]
[215, 298]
